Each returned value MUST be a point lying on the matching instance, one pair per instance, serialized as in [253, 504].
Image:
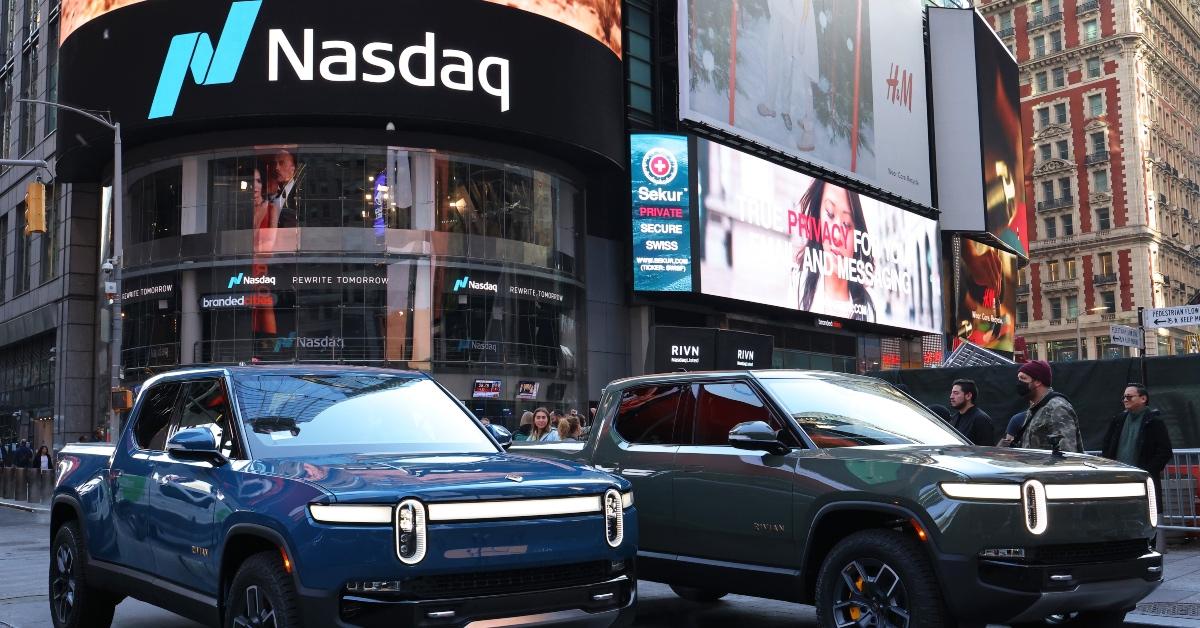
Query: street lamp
[1078, 333]
[114, 419]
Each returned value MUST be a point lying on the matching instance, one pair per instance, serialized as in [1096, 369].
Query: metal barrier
[1179, 492]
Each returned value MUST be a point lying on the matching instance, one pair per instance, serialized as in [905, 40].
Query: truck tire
[262, 595]
[694, 594]
[879, 573]
[73, 602]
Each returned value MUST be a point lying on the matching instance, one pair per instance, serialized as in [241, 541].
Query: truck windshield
[859, 412]
[363, 413]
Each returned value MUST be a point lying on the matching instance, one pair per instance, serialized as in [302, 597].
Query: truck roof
[277, 369]
[684, 376]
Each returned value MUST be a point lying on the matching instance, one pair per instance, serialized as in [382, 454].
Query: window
[1072, 307]
[3, 252]
[1093, 67]
[1064, 187]
[5, 119]
[1102, 220]
[1022, 313]
[27, 132]
[1091, 30]
[154, 205]
[1060, 113]
[1109, 298]
[205, 404]
[1044, 150]
[1043, 117]
[1069, 264]
[1098, 143]
[1100, 181]
[647, 414]
[1056, 309]
[1037, 9]
[639, 70]
[1042, 85]
[1095, 105]
[1039, 46]
[51, 121]
[853, 413]
[155, 416]
[1047, 191]
[1056, 41]
[1064, 149]
[49, 238]
[1106, 264]
[1052, 271]
[720, 407]
[1068, 228]
[1051, 228]
[1006, 20]
[1055, 7]
[1060, 79]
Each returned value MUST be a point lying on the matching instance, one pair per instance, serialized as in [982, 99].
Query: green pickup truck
[842, 492]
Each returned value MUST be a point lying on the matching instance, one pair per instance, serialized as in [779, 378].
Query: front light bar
[351, 513]
[1054, 492]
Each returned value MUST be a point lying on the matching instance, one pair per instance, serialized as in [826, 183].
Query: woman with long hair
[43, 460]
[541, 425]
[834, 215]
[524, 427]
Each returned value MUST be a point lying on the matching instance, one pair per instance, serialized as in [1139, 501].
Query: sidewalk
[1177, 601]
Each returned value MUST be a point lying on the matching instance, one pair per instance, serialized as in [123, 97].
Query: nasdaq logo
[461, 284]
[208, 65]
[466, 283]
[241, 278]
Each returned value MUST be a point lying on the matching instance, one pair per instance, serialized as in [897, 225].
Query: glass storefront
[455, 264]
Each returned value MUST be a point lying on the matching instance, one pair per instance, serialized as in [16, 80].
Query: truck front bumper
[597, 605]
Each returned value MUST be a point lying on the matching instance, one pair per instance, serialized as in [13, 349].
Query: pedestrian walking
[968, 419]
[42, 459]
[23, 457]
[1138, 437]
[1050, 413]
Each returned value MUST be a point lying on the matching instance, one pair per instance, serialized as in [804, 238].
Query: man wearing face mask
[1050, 413]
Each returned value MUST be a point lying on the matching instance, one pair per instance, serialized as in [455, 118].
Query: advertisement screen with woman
[778, 237]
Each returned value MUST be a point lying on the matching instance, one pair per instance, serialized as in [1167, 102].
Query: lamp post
[114, 419]
[1079, 333]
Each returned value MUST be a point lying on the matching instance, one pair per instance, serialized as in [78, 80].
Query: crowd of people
[552, 426]
[21, 455]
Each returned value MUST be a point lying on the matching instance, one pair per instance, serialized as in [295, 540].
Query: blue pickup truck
[281, 497]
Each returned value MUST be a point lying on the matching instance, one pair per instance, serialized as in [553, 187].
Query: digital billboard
[978, 135]
[601, 19]
[986, 279]
[662, 241]
[835, 83]
[778, 237]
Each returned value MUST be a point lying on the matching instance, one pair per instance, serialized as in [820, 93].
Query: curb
[27, 507]
[1140, 619]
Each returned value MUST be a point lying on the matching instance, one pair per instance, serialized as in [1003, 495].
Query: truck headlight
[614, 517]
[351, 513]
[1033, 498]
[1152, 501]
[411, 536]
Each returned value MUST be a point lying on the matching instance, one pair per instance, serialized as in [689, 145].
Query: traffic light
[35, 208]
[122, 399]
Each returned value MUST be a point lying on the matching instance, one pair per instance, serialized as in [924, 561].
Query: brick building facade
[1110, 100]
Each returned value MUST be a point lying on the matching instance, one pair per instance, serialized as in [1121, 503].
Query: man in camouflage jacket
[1049, 414]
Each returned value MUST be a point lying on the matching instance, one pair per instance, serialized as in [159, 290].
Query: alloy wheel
[258, 612]
[62, 585]
[870, 594]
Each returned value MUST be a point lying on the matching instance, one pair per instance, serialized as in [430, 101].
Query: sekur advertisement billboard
[662, 219]
[777, 237]
[837, 83]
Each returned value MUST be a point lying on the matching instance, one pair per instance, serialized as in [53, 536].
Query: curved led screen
[475, 68]
[600, 19]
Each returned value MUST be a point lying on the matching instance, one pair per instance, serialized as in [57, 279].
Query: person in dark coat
[1138, 436]
[24, 455]
[969, 420]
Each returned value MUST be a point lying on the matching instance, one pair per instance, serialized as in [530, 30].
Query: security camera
[107, 267]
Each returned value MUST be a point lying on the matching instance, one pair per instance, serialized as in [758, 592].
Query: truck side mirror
[196, 443]
[757, 436]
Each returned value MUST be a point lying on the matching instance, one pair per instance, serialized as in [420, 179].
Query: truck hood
[441, 477]
[997, 463]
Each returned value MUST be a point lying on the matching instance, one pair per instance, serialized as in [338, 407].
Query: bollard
[6, 482]
[21, 485]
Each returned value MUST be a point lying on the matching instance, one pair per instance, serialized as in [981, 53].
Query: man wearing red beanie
[1050, 414]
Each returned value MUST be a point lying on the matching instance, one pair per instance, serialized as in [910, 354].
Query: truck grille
[457, 585]
[1079, 553]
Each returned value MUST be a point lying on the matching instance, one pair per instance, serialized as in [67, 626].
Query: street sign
[1178, 316]
[1125, 336]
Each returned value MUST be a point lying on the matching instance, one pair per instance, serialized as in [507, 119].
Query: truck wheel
[74, 603]
[693, 594]
[262, 595]
[879, 578]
